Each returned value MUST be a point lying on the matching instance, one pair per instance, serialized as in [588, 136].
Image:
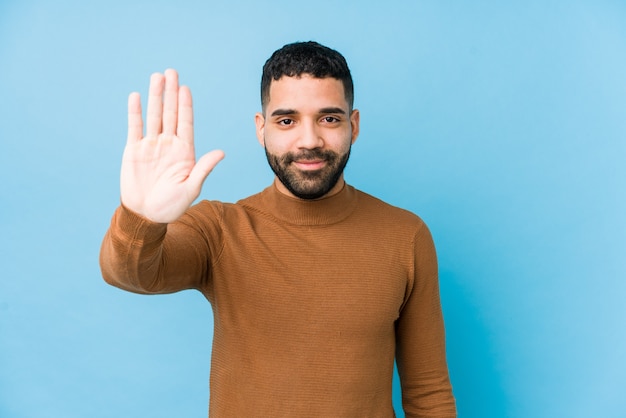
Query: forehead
[306, 92]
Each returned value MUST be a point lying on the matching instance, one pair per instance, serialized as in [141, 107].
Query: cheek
[341, 142]
[276, 142]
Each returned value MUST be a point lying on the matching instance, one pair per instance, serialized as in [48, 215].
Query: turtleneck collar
[323, 211]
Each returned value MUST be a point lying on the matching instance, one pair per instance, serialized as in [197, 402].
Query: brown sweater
[312, 301]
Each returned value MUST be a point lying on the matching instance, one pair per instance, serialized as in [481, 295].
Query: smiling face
[307, 129]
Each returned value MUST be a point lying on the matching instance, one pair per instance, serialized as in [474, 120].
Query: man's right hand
[160, 177]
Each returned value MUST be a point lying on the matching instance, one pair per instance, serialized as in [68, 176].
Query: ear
[355, 119]
[259, 121]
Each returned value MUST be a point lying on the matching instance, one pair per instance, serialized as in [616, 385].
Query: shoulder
[382, 211]
[216, 211]
[393, 224]
[253, 201]
[395, 230]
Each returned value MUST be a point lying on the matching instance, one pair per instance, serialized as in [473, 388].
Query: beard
[311, 184]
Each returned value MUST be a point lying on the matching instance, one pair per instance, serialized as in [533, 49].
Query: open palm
[160, 177]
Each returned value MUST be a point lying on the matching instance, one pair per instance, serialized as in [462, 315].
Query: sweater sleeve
[421, 352]
[142, 256]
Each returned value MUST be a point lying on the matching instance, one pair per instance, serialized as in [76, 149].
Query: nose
[310, 136]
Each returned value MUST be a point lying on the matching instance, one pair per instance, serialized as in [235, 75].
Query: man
[315, 287]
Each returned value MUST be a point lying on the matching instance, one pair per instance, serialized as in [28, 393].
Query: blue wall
[502, 125]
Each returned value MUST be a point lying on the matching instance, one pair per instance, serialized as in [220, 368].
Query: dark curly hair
[295, 59]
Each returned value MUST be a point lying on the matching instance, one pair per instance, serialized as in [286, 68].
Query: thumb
[203, 168]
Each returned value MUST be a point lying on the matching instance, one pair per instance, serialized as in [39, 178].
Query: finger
[170, 102]
[185, 114]
[135, 123]
[154, 113]
[203, 168]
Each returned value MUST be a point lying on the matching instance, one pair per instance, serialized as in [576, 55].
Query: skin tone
[160, 177]
[305, 119]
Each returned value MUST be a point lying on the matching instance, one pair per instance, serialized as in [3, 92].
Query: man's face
[307, 130]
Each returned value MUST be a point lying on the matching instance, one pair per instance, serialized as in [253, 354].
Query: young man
[315, 286]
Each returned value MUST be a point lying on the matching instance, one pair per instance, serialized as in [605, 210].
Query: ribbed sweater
[312, 301]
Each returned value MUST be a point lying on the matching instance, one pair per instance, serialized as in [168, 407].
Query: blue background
[503, 124]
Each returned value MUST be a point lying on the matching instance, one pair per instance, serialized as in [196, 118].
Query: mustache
[308, 155]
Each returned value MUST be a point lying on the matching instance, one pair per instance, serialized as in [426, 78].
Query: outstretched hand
[160, 177]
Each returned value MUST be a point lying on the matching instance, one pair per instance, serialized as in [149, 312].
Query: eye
[285, 122]
[330, 119]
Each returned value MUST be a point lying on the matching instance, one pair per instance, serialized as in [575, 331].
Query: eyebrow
[324, 111]
[327, 110]
[283, 112]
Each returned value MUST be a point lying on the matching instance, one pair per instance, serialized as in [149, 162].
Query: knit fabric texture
[312, 301]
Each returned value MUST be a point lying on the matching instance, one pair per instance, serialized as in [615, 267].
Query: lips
[310, 164]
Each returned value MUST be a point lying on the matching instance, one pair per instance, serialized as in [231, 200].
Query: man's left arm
[420, 339]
